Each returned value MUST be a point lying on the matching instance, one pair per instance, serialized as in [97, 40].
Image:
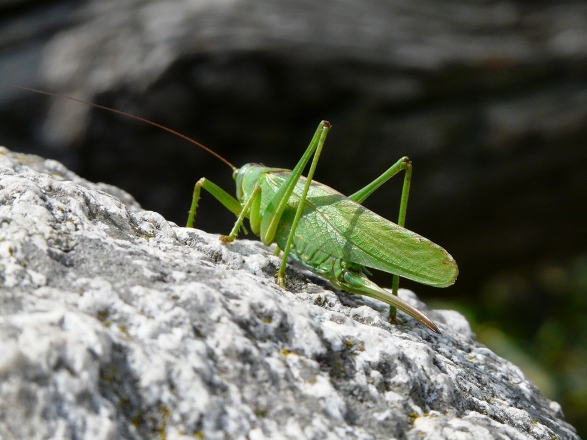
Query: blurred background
[488, 98]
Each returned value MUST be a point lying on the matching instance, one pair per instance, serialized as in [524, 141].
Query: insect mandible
[330, 234]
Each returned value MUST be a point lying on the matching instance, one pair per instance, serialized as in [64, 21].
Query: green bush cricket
[330, 234]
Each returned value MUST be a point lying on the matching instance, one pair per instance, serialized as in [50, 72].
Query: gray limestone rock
[115, 323]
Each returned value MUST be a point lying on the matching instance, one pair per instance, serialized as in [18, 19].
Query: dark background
[489, 100]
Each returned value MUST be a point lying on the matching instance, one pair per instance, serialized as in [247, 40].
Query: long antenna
[128, 115]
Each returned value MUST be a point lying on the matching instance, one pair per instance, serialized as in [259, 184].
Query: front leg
[229, 202]
[251, 204]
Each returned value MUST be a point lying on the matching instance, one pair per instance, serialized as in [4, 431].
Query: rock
[115, 323]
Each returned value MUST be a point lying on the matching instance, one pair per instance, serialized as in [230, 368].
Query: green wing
[344, 229]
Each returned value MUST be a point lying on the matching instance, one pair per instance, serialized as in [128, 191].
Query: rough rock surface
[115, 323]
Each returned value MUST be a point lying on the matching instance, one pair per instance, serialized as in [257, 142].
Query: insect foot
[280, 280]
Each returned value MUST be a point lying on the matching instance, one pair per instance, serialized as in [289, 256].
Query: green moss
[103, 316]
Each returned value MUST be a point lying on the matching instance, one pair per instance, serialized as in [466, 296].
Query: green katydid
[332, 235]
